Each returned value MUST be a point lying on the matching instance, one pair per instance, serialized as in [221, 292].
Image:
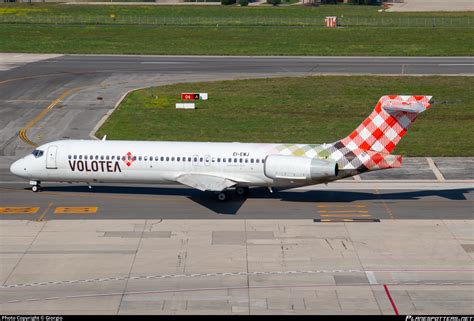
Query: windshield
[37, 153]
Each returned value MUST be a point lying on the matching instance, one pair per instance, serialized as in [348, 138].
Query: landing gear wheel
[241, 191]
[35, 188]
[222, 196]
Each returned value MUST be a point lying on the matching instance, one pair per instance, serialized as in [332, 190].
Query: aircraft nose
[18, 168]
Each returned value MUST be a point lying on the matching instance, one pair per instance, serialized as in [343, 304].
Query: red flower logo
[129, 159]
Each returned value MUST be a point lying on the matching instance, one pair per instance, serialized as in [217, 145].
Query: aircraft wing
[205, 182]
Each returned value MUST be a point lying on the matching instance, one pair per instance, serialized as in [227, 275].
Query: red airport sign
[189, 96]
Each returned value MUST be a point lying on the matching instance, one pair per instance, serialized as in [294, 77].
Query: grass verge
[176, 40]
[23, 10]
[298, 110]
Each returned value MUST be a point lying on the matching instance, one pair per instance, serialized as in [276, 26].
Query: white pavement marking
[371, 277]
[455, 64]
[92, 295]
[9, 61]
[435, 169]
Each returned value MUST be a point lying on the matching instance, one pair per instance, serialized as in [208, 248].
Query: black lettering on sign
[105, 166]
[102, 165]
[109, 166]
[72, 165]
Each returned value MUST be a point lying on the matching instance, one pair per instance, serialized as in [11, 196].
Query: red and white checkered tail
[386, 125]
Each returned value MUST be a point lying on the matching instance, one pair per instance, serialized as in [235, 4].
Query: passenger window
[178, 159]
[96, 157]
[201, 159]
[263, 160]
[145, 158]
[172, 159]
[156, 158]
[167, 159]
[80, 156]
[241, 160]
[107, 157]
[162, 158]
[195, 159]
[134, 158]
[223, 160]
[246, 160]
[69, 157]
[229, 160]
[113, 157]
[257, 161]
[218, 160]
[101, 157]
[235, 160]
[75, 156]
[251, 160]
[189, 159]
[123, 158]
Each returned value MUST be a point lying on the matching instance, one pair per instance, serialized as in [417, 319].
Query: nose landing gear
[35, 186]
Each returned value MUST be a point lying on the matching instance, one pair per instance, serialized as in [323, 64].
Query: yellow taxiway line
[31, 123]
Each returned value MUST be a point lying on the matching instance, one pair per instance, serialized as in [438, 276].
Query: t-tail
[369, 146]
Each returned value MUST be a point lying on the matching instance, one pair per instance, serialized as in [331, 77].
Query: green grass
[298, 110]
[38, 9]
[168, 40]
[349, 15]
[231, 30]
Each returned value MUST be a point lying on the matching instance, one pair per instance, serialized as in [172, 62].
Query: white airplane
[219, 167]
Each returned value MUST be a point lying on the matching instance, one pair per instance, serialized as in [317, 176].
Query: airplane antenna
[104, 138]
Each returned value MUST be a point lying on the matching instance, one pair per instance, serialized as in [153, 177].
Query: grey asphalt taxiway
[389, 242]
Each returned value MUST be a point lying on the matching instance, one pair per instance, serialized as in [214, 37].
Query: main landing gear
[242, 191]
[239, 191]
[222, 196]
[35, 186]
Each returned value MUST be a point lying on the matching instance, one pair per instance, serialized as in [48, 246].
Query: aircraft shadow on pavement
[352, 196]
[232, 206]
[205, 199]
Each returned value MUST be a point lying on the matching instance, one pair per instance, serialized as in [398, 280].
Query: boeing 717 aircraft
[220, 167]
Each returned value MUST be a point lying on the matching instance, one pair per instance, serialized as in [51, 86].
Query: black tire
[35, 188]
[222, 196]
[241, 190]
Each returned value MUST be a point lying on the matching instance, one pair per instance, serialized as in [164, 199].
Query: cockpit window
[37, 153]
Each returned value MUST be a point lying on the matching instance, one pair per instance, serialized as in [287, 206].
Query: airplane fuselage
[94, 161]
[220, 166]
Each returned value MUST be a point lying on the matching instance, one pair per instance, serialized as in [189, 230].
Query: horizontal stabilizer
[410, 104]
[205, 182]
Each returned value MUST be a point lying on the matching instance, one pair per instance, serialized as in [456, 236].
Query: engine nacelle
[299, 168]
